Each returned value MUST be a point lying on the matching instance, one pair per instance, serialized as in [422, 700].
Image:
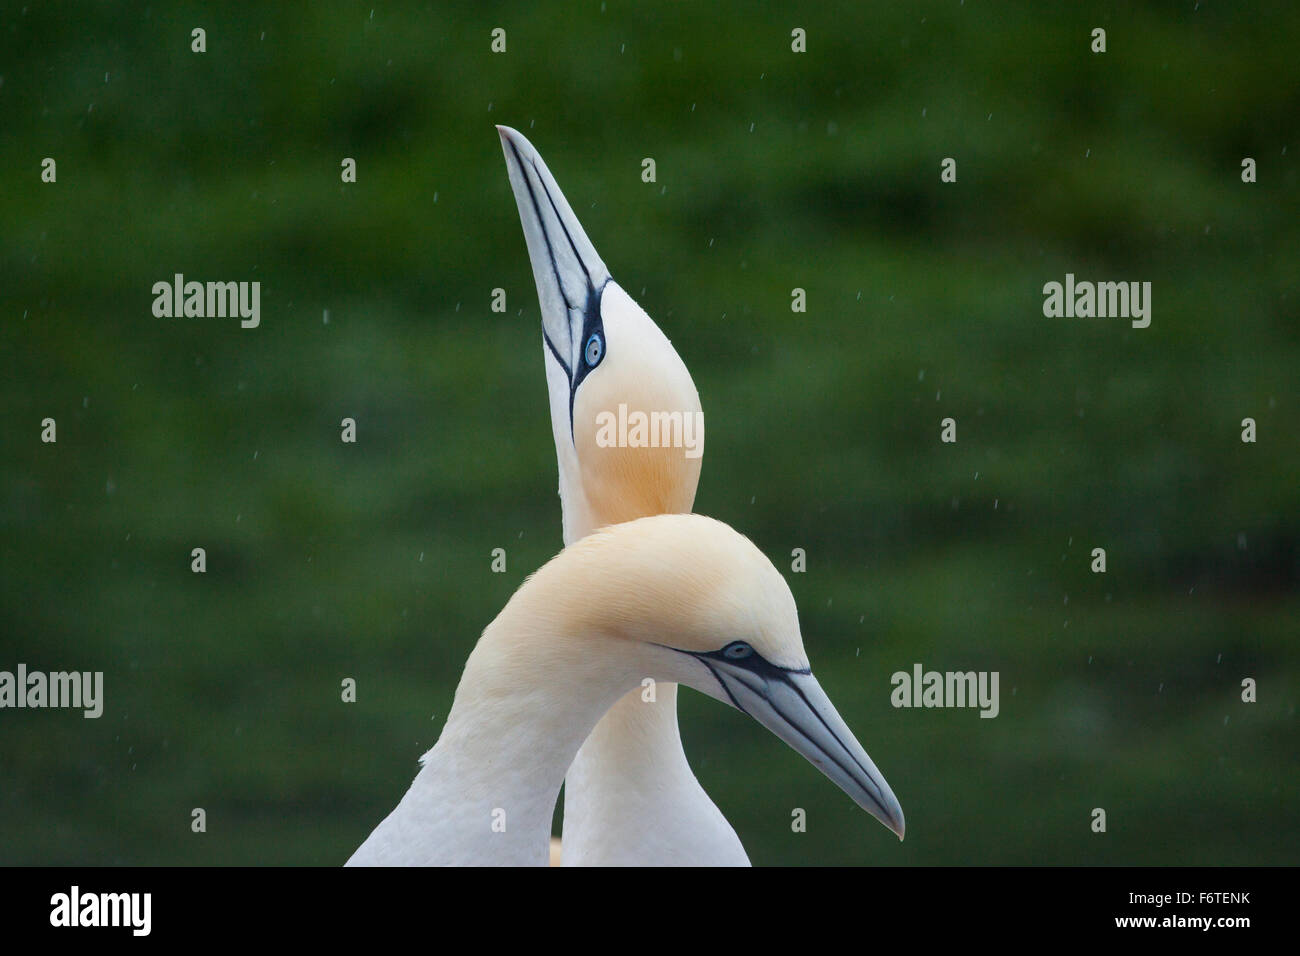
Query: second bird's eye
[736, 650]
[594, 350]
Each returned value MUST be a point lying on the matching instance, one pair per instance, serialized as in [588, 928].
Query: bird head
[626, 417]
[700, 605]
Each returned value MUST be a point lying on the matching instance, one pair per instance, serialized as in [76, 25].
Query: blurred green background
[775, 170]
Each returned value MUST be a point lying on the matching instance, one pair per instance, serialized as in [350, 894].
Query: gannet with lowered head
[630, 797]
[681, 598]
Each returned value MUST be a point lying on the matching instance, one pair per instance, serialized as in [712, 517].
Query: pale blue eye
[594, 350]
[736, 650]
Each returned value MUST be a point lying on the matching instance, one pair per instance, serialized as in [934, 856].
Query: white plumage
[674, 597]
[555, 683]
[630, 797]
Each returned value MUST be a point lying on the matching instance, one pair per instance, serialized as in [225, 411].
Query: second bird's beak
[569, 272]
[793, 706]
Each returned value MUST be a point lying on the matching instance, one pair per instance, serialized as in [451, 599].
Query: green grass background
[775, 170]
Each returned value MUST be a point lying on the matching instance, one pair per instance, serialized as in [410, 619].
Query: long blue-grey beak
[792, 705]
[570, 274]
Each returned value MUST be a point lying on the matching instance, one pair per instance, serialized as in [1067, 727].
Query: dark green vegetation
[775, 170]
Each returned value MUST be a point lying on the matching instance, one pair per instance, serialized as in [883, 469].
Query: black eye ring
[594, 351]
[737, 650]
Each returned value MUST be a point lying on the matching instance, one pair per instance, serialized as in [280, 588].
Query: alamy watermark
[128, 910]
[639, 429]
[1101, 300]
[79, 690]
[208, 300]
[923, 688]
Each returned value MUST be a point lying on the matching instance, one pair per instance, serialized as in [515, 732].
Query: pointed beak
[793, 706]
[569, 273]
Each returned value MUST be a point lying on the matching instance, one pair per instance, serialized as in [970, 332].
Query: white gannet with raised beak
[680, 598]
[630, 797]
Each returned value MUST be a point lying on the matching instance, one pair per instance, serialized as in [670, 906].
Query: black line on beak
[550, 254]
[591, 311]
[722, 683]
[769, 672]
[586, 273]
[834, 736]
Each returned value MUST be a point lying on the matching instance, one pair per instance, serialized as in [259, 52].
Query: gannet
[630, 797]
[680, 598]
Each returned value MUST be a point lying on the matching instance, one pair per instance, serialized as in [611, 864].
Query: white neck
[630, 797]
[486, 792]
